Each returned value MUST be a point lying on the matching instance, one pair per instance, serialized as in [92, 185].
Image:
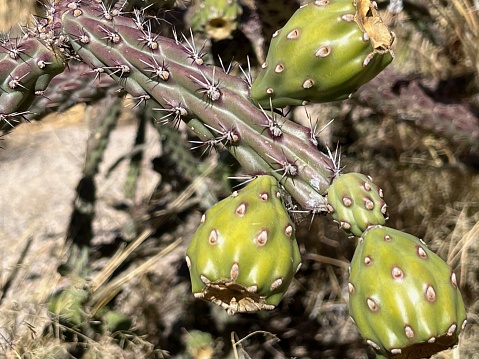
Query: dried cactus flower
[244, 254]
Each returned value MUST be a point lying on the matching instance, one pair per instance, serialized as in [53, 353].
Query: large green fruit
[326, 51]
[402, 296]
[356, 203]
[244, 254]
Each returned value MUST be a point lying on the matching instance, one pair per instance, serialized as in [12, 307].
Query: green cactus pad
[244, 254]
[326, 51]
[356, 203]
[402, 296]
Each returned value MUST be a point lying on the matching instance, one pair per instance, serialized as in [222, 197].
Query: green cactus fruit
[356, 203]
[216, 18]
[402, 296]
[244, 254]
[326, 51]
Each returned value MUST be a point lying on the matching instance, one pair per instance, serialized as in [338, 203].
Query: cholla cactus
[244, 253]
[356, 203]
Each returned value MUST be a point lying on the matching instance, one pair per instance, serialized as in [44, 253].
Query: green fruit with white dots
[403, 297]
[326, 51]
[356, 203]
[244, 254]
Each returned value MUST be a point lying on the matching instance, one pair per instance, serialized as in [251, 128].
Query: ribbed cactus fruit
[356, 203]
[326, 51]
[403, 297]
[244, 254]
[216, 18]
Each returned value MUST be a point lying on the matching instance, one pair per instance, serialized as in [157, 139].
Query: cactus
[173, 74]
[248, 266]
[27, 67]
[244, 254]
[356, 203]
[402, 296]
[76, 84]
[341, 45]
[216, 18]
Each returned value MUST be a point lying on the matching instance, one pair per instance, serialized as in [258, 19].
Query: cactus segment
[27, 67]
[325, 52]
[244, 254]
[216, 18]
[170, 73]
[356, 203]
[403, 297]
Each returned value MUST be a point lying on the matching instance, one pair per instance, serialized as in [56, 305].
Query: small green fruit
[356, 203]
